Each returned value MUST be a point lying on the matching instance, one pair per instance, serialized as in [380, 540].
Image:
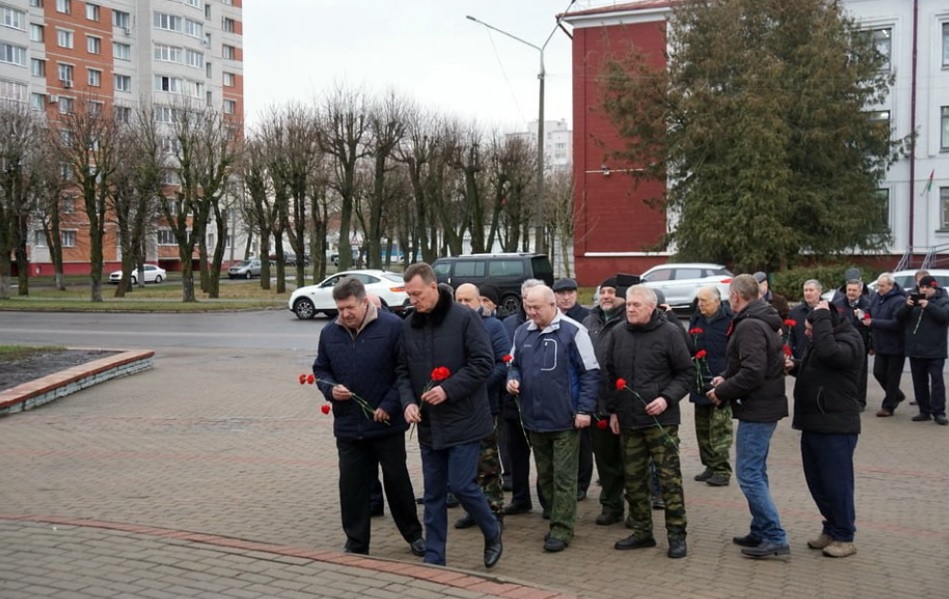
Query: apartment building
[558, 143]
[914, 35]
[55, 54]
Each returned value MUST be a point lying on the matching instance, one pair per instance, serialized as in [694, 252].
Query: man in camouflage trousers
[649, 362]
[489, 463]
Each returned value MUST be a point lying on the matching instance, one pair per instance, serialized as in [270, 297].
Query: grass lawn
[12, 353]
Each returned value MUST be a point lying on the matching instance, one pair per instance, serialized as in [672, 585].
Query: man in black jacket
[445, 361]
[886, 338]
[853, 305]
[827, 411]
[796, 338]
[925, 317]
[754, 384]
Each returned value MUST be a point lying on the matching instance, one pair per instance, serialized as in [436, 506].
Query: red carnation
[602, 424]
[790, 323]
[507, 359]
[302, 378]
[787, 350]
[620, 384]
[311, 379]
[701, 354]
[440, 373]
[325, 408]
[696, 331]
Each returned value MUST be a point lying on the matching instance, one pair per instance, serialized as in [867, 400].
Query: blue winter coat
[558, 373]
[714, 340]
[501, 345]
[886, 331]
[365, 363]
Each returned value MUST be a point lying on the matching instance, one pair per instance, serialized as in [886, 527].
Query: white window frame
[93, 44]
[229, 79]
[12, 18]
[68, 238]
[165, 237]
[121, 51]
[194, 59]
[65, 71]
[168, 22]
[37, 67]
[64, 6]
[230, 106]
[120, 18]
[12, 54]
[122, 83]
[37, 32]
[92, 11]
[64, 38]
[94, 77]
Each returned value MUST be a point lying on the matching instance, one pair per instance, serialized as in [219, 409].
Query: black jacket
[754, 372]
[454, 337]
[886, 332]
[714, 340]
[846, 311]
[654, 360]
[825, 393]
[925, 328]
[599, 324]
[578, 312]
[796, 337]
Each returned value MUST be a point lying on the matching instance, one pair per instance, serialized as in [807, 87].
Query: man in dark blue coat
[355, 369]
[445, 362]
[708, 336]
[925, 316]
[886, 339]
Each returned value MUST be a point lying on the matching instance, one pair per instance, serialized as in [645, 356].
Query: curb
[60, 384]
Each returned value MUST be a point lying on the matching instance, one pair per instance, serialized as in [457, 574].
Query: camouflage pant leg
[556, 456]
[713, 431]
[663, 445]
[489, 472]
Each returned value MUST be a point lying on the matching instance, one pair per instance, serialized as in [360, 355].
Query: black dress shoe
[418, 547]
[493, 550]
[677, 548]
[465, 521]
[552, 545]
[452, 501]
[921, 418]
[632, 542]
[766, 549]
[703, 476]
[941, 420]
[746, 541]
[607, 518]
[512, 509]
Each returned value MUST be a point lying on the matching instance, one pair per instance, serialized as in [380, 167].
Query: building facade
[558, 144]
[60, 54]
[617, 229]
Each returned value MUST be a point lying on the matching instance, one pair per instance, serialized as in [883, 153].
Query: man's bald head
[468, 296]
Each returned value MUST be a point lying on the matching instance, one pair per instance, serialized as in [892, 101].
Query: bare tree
[256, 203]
[387, 124]
[558, 192]
[20, 133]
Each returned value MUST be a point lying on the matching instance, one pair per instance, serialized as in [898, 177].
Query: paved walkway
[214, 475]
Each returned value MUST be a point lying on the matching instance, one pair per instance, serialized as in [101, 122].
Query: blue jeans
[456, 467]
[752, 441]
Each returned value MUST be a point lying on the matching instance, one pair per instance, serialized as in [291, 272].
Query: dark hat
[660, 297]
[760, 276]
[928, 281]
[564, 285]
[608, 282]
[853, 274]
[491, 292]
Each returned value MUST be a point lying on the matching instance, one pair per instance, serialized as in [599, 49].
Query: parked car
[680, 282]
[506, 271]
[290, 259]
[153, 274]
[334, 257]
[245, 269]
[307, 301]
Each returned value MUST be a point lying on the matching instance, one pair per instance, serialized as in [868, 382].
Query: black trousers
[519, 451]
[888, 370]
[585, 463]
[358, 463]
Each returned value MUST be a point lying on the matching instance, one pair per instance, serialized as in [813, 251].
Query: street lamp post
[540, 230]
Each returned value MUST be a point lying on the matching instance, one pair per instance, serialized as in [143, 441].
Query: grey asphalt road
[264, 329]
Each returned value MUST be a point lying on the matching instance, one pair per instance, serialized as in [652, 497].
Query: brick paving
[214, 474]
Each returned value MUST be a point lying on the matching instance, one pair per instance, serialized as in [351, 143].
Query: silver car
[680, 282]
[246, 269]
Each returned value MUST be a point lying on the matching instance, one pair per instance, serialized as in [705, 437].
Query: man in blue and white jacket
[554, 376]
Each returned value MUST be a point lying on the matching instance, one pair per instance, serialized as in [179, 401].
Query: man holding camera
[925, 316]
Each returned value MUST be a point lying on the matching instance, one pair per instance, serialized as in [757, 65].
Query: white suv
[680, 282]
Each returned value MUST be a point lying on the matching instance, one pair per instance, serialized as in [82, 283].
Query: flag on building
[929, 185]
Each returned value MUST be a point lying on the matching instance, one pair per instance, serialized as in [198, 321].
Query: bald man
[489, 465]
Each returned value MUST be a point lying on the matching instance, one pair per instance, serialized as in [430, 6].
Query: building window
[93, 45]
[12, 18]
[64, 38]
[167, 22]
[36, 33]
[228, 25]
[11, 90]
[68, 239]
[37, 101]
[207, 12]
[39, 238]
[121, 51]
[65, 171]
[194, 59]
[168, 84]
[230, 106]
[207, 69]
[66, 105]
[123, 83]
[121, 19]
[64, 6]
[36, 3]
[228, 79]
[944, 207]
[166, 237]
[229, 52]
[95, 78]
[194, 3]
[169, 53]
[92, 11]
[163, 114]
[884, 195]
[883, 40]
[13, 54]
[123, 114]
[944, 143]
[65, 72]
[94, 107]
[194, 29]
[945, 44]
[37, 67]
[209, 98]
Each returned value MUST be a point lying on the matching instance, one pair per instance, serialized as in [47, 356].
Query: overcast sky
[424, 49]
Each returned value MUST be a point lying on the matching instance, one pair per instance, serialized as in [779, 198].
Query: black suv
[505, 271]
